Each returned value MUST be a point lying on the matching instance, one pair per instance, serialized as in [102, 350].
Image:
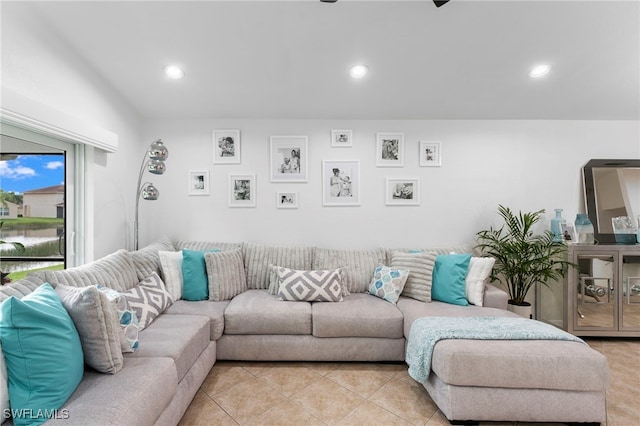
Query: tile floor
[305, 393]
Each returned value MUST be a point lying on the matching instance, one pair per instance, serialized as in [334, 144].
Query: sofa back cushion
[257, 258]
[357, 265]
[22, 287]
[146, 260]
[115, 271]
[206, 245]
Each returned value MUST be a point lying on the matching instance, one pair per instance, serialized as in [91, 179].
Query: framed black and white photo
[389, 149]
[287, 200]
[430, 154]
[198, 182]
[242, 190]
[402, 191]
[341, 183]
[288, 157]
[342, 138]
[226, 147]
[568, 233]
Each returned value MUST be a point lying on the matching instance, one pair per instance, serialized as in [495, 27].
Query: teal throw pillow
[43, 354]
[195, 284]
[449, 274]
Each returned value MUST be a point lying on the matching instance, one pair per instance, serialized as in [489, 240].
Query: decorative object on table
[287, 200]
[198, 182]
[288, 158]
[430, 154]
[569, 233]
[341, 138]
[153, 162]
[389, 149]
[226, 147]
[523, 259]
[341, 183]
[242, 190]
[556, 226]
[584, 229]
[402, 191]
[624, 230]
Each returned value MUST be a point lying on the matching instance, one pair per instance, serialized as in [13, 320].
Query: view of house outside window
[32, 212]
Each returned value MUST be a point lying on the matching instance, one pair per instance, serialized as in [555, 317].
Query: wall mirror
[611, 188]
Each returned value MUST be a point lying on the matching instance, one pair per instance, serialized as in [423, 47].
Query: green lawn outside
[31, 221]
[15, 276]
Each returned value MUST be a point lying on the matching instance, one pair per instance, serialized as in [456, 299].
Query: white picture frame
[341, 138]
[226, 146]
[402, 191]
[288, 158]
[198, 182]
[341, 183]
[389, 149]
[242, 190]
[430, 154]
[287, 199]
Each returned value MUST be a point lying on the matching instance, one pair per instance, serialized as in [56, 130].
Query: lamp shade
[150, 192]
[157, 151]
[157, 167]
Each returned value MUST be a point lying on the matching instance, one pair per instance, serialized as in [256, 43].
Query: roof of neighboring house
[5, 202]
[56, 189]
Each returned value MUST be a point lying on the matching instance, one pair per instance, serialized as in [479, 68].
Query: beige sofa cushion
[213, 310]
[358, 265]
[258, 312]
[358, 315]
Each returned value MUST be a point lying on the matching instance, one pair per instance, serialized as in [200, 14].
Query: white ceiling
[290, 59]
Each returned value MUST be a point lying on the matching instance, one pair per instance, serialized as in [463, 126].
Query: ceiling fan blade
[440, 2]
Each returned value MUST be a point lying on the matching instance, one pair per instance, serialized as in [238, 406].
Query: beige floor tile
[223, 377]
[259, 368]
[248, 400]
[289, 379]
[407, 400]
[368, 413]
[327, 400]
[438, 419]
[322, 368]
[364, 381]
[287, 413]
[203, 411]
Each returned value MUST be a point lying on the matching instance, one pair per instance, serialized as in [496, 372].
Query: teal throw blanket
[427, 331]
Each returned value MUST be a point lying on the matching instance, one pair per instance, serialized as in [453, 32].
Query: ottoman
[518, 380]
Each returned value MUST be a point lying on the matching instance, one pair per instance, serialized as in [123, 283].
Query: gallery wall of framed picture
[290, 162]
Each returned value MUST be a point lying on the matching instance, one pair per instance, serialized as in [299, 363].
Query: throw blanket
[427, 331]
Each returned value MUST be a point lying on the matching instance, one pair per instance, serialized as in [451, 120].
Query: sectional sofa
[198, 302]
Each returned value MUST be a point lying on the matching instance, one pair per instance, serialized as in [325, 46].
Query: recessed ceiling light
[173, 71]
[358, 71]
[539, 71]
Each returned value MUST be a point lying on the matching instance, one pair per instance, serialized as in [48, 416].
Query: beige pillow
[420, 267]
[96, 320]
[225, 274]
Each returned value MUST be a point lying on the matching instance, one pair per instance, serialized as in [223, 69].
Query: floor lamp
[153, 162]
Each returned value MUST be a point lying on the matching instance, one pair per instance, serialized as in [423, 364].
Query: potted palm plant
[523, 259]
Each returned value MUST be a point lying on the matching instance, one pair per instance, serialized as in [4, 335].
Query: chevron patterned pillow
[310, 286]
[148, 299]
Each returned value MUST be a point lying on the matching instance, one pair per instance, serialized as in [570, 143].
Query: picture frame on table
[341, 138]
[226, 147]
[430, 154]
[568, 233]
[341, 183]
[242, 190]
[288, 158]
[389, 149]
[198, 182]
[402, 191]
[286, 200]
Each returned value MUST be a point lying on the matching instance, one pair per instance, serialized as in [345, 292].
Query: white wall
[39, 65]
[526, 165]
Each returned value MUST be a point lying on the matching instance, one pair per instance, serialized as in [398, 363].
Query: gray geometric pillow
[148, 299]
[310, 286]
[96, 320]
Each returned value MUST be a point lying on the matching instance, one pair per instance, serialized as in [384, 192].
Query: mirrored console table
[602, 296]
